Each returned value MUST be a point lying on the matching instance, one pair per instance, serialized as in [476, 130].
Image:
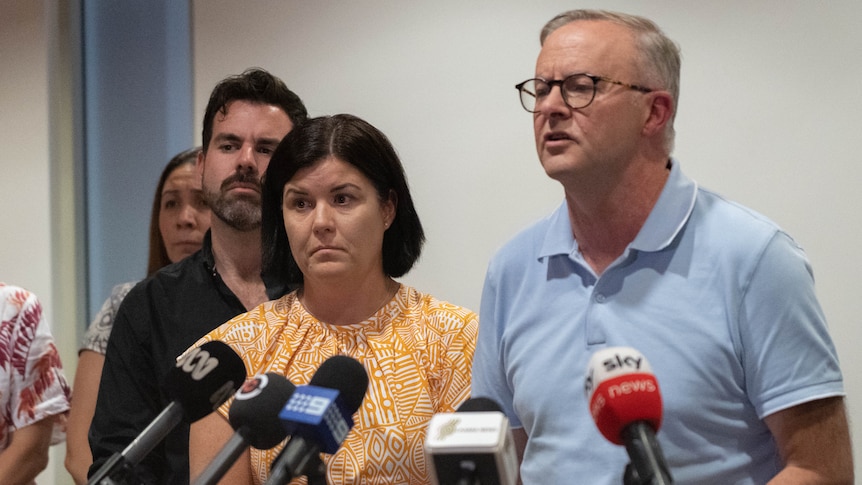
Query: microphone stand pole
[316, 471]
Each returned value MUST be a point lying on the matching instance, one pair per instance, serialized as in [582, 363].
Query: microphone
[254, 416]
[626, 406]
[203, 378]
[472, 446]
[318, 417]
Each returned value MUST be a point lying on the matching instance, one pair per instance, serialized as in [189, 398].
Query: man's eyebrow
[226, 137]
[268, 141]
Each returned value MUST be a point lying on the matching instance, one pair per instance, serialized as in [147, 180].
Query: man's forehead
[586, 44]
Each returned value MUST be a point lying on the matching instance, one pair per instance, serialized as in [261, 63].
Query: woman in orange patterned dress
[339, 225]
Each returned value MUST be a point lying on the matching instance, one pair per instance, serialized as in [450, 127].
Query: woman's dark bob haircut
[354, 141]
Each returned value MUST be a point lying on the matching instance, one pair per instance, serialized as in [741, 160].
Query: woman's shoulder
[434, 309]
[257, 319]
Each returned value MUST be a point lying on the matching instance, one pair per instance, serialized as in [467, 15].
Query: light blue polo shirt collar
[668, 217]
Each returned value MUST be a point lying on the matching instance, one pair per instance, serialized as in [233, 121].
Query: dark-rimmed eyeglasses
[578, 90]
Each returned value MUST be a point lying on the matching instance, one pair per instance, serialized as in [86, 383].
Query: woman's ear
[390, 208]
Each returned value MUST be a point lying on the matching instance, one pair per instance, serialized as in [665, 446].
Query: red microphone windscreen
[621, 389]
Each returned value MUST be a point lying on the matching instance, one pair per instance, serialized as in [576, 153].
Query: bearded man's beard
[239, 211]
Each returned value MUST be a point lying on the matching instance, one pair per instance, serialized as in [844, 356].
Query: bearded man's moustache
[242, 178]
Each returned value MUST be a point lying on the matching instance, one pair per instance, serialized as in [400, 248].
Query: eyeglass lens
[578, 91]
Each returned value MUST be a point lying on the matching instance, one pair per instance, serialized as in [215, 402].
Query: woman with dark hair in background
[338, 226]
[178, 205]
[178, 221]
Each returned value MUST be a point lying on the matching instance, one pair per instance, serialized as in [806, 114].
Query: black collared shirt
[158, 320]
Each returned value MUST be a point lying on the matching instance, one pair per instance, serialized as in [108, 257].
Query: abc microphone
[472, 446]
[625, 403]
[203, 378]
[254, 416]
[319, 416]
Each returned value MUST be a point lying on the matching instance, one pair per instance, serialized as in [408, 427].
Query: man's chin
[243, 225]
[557, 165]
[238, 214]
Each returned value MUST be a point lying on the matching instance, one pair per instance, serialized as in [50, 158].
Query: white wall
[771, 100]
[770, 104]
[26, 251]
[25, 244]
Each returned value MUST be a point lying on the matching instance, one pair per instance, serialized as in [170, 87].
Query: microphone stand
[115, 471]
[647, 465]
[630, 476]
[316, 471]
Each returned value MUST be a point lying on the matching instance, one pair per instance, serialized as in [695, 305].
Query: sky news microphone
[201, 381]
[625, 403]
[254, 417]
[318, 417]
[472, 446]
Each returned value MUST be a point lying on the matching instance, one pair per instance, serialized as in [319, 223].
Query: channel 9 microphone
[318, 416]
[254, 416]
[625, 403]
[472, 446]
[201, 381]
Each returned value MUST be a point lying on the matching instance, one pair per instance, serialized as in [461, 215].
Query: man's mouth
[556, 136]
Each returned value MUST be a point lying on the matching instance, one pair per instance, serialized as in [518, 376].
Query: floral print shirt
[32, 385]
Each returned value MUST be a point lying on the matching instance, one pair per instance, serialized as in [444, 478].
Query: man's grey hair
[660, 59]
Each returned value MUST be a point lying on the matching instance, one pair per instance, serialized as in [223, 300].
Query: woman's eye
[343, 199]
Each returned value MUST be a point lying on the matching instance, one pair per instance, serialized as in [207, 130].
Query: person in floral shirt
[34, 395]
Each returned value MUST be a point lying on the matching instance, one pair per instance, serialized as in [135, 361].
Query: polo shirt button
[600, 298]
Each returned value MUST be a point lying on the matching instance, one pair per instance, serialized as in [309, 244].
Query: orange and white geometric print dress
[418, 353]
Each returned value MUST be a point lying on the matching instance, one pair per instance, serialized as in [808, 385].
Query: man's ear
[660, 114]
[199, 163]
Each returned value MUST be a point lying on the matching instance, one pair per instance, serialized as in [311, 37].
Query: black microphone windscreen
[347, 376]
[204, 378]
[479, 404]
[256, 407]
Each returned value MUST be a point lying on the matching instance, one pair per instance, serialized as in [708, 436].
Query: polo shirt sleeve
[787, 353]
[489, 377]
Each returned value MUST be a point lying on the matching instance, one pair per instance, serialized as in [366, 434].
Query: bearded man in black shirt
[245, 119]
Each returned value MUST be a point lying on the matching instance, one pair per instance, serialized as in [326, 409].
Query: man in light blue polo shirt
[720, 300]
